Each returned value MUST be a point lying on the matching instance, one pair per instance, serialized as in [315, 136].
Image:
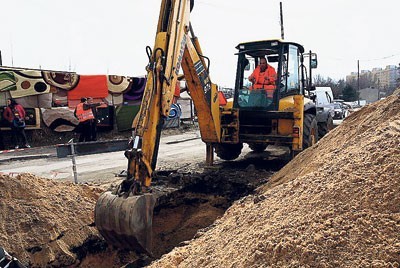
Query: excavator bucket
[126, 222]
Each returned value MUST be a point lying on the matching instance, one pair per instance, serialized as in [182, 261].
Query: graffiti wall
[52, 96]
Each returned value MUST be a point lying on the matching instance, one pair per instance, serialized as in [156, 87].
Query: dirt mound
[336, 204]
[45, 223]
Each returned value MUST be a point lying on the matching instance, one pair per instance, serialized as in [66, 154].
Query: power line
[365, 60]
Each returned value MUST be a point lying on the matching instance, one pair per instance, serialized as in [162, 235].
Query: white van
[325, 111]
[324, 99]
[324, 96]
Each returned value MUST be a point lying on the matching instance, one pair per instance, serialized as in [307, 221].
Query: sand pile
[41, 218]
[45, 223]
[336, 204]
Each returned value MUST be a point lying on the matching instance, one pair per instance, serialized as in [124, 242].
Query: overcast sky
[109, 37]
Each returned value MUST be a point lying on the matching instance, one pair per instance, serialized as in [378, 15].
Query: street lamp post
[358, 81]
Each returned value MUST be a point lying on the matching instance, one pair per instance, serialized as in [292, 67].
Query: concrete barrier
[92, 147]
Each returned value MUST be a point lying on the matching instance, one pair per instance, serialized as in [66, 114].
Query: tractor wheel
[257, 147]
[228, 151]
[325, 127]
[310, 131]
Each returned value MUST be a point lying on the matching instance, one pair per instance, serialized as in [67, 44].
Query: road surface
[183, 152]
[175, 151]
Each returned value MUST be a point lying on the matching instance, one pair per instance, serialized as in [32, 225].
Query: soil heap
[45, 223]
[335, 205]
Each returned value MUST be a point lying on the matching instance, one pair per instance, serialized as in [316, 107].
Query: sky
[110, 37]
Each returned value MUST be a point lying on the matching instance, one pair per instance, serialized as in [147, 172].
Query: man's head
[263, 64]
[83, 99]
[90, 100]
[11, 101]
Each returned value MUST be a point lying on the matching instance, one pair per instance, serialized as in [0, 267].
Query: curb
[13, 150]
[26, 157]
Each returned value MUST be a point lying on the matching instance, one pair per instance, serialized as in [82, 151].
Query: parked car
[349, 108]
[325, 111]
[340, 111]
[324, 99]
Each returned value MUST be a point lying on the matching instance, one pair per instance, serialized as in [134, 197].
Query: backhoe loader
[286, 118]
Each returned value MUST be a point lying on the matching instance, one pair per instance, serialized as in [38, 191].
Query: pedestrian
[2, 147]
[94, 121]
[85, 115]
[15, 114]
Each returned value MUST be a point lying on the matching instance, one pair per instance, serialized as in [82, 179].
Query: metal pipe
[71, 142]
[209, 154]
[310, 81]
[358, 81]
[282, 30]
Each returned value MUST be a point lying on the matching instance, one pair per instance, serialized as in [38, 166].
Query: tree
[349, 93]
[336, 86]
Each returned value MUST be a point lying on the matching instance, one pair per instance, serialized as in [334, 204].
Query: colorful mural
[23, 82]
[7, 81]
[118, 84]
[94, 86]
[58, 93]
[59, 119]
[61, 80]
[135, 92]
[61, 89]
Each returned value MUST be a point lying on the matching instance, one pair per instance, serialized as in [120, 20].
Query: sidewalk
[28, 153]
[51, 150]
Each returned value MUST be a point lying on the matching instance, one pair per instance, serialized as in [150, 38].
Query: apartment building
[385, 79]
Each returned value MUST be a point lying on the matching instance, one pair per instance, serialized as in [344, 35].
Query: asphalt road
[185, 151]
[175, 151]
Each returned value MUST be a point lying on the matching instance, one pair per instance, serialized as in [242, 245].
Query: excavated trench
[188, 211]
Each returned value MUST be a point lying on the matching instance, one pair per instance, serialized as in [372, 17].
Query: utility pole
[379, 90]
[1, 59]
[358, 81]
[12, 55]
[282, 30]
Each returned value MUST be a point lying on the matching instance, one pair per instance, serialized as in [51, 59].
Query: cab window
[290, 71]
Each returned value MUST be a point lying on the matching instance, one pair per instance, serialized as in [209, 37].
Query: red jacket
[9, 114]
[265, 78]
[83, 114]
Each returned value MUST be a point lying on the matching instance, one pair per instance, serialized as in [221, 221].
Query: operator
[264, 77]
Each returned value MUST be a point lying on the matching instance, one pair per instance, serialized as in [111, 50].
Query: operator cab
[284, 57]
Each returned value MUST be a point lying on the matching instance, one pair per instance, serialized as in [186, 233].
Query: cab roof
[268, 46]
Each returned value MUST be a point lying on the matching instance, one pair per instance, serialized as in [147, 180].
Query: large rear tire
[310, 131]
[228, 151]
[257, 147]
[325, 127]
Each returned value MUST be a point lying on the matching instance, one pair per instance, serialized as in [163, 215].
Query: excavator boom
[124, 216]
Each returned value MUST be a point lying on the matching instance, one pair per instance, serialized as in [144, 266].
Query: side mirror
[313, 61]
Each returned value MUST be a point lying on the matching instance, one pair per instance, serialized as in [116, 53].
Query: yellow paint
[298, 121]
[285, 126]
[207, 108]
[293, 104]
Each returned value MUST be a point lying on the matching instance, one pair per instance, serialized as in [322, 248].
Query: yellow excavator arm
[124, 217]
[175, 47]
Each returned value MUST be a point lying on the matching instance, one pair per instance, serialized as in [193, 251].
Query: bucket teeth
[126, 222]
